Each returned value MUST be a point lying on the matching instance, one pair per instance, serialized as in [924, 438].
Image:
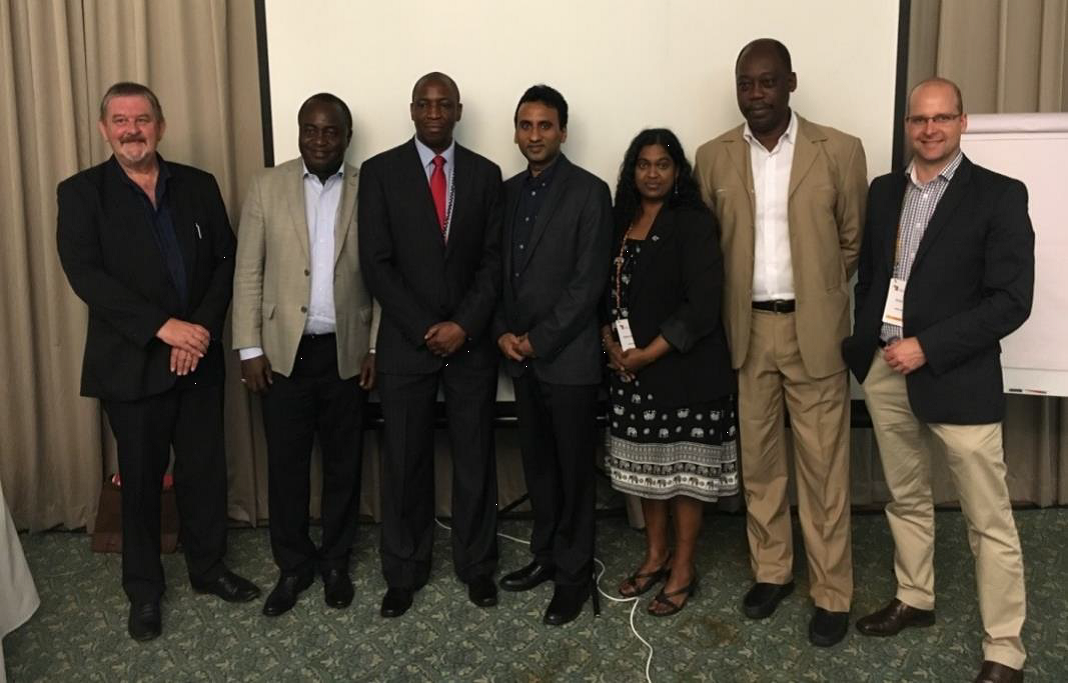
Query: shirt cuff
[250, 353]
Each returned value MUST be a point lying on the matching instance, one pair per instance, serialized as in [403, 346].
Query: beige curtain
[1006, 56]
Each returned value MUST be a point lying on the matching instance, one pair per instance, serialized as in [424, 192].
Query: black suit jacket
[971, 285]
[416, 276]
[554, 296]
[111, 257]
[676, 290]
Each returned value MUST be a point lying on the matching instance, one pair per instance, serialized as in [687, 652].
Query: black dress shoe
[994, 672]
[482, 591]
[827, 628]
[762, 599]
[230, 587]
[526, 578]
[891, 619]
[145, 622]
[337, 588]
[567, 604]
[285, 593]
[396, 601]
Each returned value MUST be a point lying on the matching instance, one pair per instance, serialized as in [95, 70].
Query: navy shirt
[531, 201]
[159, 217]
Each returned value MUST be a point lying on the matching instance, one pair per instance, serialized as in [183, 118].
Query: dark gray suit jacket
[554, 296]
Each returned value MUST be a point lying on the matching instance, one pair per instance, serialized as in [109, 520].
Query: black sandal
[652, 578]
[662, 598]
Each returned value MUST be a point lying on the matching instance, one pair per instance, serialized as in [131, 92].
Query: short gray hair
[127, 89]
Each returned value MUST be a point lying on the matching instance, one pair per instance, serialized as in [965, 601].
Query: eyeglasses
[937, 119]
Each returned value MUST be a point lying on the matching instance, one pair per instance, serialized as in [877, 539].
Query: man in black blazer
[946, 271]
[148, 246]
[557, 235]
[429, 235]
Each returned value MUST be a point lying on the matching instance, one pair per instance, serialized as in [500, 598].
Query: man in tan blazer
[789, 195]
[303, 326]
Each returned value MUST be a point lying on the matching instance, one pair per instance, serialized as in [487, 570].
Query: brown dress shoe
[993, 672]
[891, 619]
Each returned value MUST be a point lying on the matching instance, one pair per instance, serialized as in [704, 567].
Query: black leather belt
[776, 306]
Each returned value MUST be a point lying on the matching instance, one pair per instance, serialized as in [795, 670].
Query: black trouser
[408, 403]
[558, 440]
[313, 400]
[190, 419]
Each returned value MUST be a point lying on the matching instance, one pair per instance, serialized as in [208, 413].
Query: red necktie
[437, 189]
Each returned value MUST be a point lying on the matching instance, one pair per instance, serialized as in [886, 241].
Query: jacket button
[303, 309]
[307, 272]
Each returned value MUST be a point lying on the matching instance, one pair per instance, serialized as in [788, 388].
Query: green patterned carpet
[79, 634]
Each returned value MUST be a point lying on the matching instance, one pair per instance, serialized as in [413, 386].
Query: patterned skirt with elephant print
[658, 452]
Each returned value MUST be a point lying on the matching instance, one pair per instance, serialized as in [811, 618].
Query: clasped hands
[625, 364]
[444, 338]
[515, 347]
[188, 342]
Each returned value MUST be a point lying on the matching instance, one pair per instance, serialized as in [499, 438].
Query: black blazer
[110, 255]
[971, 284]
[676, 290]
[555, 295]
[418, 279]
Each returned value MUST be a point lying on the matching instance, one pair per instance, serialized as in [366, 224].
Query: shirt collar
[547, 173]
[162, 177]
[790, 135]
[946, 173]
[339, 172]
[426, 155]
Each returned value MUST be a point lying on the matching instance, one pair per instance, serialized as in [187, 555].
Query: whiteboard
[1034, 149]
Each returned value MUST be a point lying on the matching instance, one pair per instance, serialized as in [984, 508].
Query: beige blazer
[828, 191]
[272, 283]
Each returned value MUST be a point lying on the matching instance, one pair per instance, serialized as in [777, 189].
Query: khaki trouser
[976, 462]
[819, 419]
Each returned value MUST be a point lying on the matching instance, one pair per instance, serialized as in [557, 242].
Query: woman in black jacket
[673, 429]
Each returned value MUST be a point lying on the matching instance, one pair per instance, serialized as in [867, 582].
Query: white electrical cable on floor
[633, 609]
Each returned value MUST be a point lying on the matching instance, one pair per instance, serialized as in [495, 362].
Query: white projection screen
[622, 65]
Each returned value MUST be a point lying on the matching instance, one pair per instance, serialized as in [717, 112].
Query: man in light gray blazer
[304, 326]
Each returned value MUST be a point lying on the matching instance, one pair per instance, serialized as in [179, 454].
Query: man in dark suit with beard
[429, 233]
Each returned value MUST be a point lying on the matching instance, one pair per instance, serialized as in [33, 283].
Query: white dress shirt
[773, 271]
[321, 202]
[426, 155]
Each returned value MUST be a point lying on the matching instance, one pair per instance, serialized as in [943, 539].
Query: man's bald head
[437, 77]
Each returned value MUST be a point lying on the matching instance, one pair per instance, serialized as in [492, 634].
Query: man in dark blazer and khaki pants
[946, 271]
[148, 246]
[429, 226]
[558, 232]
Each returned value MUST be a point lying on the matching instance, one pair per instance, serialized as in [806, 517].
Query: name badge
[626, 338]
[894, 311]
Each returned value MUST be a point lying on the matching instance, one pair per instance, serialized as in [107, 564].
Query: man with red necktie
[429, 232]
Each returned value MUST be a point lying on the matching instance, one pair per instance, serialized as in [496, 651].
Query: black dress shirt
[531, 199]
[159, 217]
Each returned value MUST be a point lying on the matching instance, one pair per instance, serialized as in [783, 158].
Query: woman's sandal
[648, 580]
[663, 598]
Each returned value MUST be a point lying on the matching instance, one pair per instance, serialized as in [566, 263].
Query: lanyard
[619, 260]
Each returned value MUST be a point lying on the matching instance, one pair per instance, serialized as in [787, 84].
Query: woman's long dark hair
[685, 194]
